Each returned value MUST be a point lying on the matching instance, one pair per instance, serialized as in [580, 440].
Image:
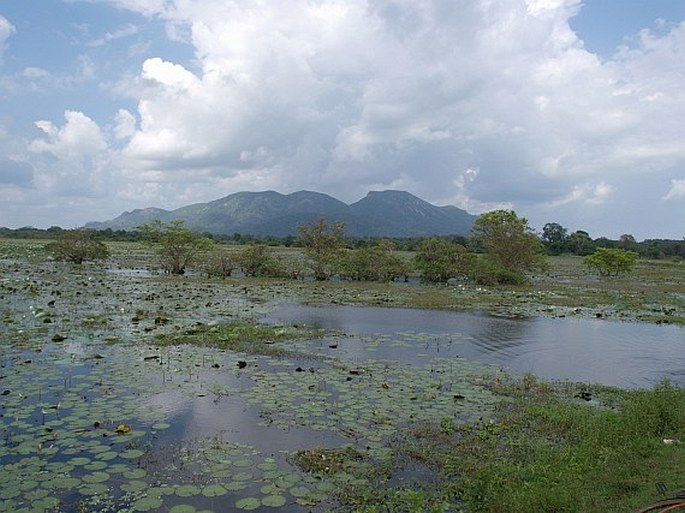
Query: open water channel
[623, 354]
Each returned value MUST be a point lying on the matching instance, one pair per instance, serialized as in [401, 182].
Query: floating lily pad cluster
[95, 414]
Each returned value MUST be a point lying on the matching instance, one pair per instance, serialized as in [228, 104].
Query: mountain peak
[388, 213]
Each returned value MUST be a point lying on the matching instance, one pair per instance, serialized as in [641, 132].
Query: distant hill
[379, 214]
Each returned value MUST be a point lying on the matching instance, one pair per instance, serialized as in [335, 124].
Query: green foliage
[77, 246]
[438, 260]
[219, 264]
[554, 237]
[177, 245]
[258, 260]
[486, 271]
[239, 336]
[509, 241]
[611, 261]
[549, 450]
[374, 263]
[322, 244]
[580, 243]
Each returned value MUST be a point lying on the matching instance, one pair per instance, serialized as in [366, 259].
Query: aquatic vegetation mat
[141, 393]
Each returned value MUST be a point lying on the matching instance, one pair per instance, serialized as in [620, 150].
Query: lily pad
[135, 473]
[96, 477]
[187, 490]
[183, 508]
[134, 486]
[214, 490]
[274, 501]
[148, 503]
[131, 454]
[248, 503]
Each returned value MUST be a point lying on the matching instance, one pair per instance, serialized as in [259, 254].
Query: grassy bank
[552, 448]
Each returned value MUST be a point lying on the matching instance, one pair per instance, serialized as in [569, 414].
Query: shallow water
[624, 354]
[208, 434]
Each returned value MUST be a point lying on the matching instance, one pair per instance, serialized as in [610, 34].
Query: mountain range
[380, 214]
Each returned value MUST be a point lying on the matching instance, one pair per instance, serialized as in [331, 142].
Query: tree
[554, 236]
[580, 243]
[219, 264]
[627, 242]
[378, 263]
[177, 246]
[322, 244]
[258, 260]
[77, 246]
[509, 241]
[438, 260]
[611, 261]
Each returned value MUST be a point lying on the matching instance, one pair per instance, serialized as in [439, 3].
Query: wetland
[123, 389]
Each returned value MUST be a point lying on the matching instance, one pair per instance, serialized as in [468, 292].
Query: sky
[565, 111]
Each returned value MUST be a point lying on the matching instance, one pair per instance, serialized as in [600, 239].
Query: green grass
[549, 451]
[239, 336]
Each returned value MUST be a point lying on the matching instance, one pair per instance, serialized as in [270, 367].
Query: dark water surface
[624, 354]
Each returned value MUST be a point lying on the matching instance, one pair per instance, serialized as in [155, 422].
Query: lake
[623, 354]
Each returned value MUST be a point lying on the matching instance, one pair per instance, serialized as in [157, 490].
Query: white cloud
[80, 136]
[484, 104]
[6, 31]
[677, 190]
[586, 193]
[125, 124]
[120, 33]
[72, 158]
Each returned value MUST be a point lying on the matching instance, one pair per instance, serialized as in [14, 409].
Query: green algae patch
[240, 336]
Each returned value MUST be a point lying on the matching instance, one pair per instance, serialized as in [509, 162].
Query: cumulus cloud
[71, 158]
[125, 124]
[351, 89]
[6, 31]
[677, 190]
[481, 104]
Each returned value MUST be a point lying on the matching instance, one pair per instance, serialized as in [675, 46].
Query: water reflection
[620, 354]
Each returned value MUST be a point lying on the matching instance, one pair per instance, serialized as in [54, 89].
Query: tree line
[502, 249]
[555, 239]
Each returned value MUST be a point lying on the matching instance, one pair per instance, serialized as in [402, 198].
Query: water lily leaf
[187, 490]
[134, 473]
[248, 503]
[235, 486]
[96, 465]
[131, 454]
[299, 491]
[274, 501]
[214, 490]
[183, 508]
[96, 477]
[134, 486]
[242, 476]
[93, 489]
[148, 503]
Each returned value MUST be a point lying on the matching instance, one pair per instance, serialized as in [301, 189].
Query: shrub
[611, 261]
[438, 260]
[220, 264]
[77, 246]
[177, 246]
[485, 271]
[374, 263]
[257, 260]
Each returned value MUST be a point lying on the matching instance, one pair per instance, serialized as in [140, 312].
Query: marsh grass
[555, 448]
[239, 336]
